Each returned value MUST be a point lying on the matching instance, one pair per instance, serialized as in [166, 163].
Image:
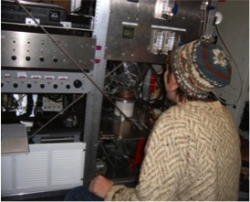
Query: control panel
[15, 81]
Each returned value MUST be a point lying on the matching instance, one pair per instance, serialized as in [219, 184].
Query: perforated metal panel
[38, 51]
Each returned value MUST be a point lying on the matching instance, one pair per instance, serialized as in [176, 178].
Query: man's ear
[170, 83]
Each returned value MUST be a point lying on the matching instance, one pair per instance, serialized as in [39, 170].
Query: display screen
[54, 16]
[128, 32]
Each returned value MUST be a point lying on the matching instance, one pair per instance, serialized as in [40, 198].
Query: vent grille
[47, 167]
[7, 176]
[32, 169]
[68, 164]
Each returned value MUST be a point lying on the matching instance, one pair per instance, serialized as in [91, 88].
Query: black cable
[140, 78]
[29, 106]
[38, 111]
[106, 155]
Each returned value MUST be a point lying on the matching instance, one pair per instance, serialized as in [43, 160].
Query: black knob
[41, 59]
[77, 83]
[42, 85]
[2, 84]
[29, 85]
[55, 86]
[15, 85]
[68, 86]
[55, 59]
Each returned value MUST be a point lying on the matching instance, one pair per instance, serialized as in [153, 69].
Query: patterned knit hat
[200, 67]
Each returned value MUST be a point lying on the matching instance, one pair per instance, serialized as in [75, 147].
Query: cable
[9, 102]
[105, 153]
[236, 66]
[29, 107]
[117, 67]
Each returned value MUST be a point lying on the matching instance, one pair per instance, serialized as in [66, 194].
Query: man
[193, 152]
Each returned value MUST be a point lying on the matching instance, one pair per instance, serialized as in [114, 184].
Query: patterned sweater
[193, 153]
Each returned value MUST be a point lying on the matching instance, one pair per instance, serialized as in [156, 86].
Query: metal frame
[94, 98]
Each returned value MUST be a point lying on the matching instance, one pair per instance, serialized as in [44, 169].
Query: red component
[97, 61]
[139, 152]
[98, 47]
[152, 84]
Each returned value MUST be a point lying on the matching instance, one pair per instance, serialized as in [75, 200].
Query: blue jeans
[81, 193]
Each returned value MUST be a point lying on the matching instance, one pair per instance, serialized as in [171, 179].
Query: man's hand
[100, 186]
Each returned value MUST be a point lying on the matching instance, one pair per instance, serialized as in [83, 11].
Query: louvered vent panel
[47, 167]
[32, 169]
[6, 173]
[67, 167]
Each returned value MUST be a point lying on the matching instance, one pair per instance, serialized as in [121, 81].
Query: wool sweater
[192, 153]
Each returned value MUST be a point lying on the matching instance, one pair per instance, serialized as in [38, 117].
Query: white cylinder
[127, 107]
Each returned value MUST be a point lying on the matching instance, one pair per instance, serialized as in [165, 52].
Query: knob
[55, 86]
[77, 83]
[15, 85]
[55, 59]
[42, 85]
[41, 59]
[29, 85]
[68, 86]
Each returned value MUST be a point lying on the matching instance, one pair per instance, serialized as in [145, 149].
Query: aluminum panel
[14, 139]
[140, 18]
[38, 51]
[21, 81]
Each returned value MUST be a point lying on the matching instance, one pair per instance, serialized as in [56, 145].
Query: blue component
[175, 9]
[181, 44]
[209, 7]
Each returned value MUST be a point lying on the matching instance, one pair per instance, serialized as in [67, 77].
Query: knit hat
[200, 67]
